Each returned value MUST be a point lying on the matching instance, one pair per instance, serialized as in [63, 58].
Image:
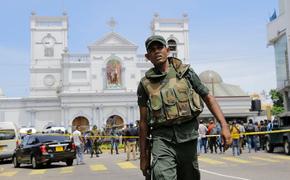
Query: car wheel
[269, 147]
[34, 163]
[286, 147]
[16, 164]
[69, 162]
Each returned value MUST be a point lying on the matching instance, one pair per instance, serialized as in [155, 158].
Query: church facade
[97, 88]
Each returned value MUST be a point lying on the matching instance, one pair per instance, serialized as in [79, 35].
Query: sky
[227, 36]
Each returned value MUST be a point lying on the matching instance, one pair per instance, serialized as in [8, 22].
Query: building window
[113, 71]
[172, 47]
[48, 52]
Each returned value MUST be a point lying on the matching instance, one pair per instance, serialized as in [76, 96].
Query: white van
[9, 139]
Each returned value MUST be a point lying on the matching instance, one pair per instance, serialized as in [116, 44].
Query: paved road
[253, 166]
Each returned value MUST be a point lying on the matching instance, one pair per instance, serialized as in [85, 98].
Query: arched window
[173, 47]
[113, 74]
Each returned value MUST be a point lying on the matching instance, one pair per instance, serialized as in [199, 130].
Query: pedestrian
[235, 133]
[202, 131]
[242, 136]
[212, 140]
[114, 140]
[269, 126]
[169, 102]
[251, 138]
[131, 141]
[79, 143]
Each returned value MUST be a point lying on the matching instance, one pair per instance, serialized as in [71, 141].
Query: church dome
[210, 76]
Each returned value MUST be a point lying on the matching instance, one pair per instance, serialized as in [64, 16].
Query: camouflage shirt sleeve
[142, 96]
[196, 83]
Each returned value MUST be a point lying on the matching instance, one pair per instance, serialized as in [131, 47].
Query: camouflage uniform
[174, 145]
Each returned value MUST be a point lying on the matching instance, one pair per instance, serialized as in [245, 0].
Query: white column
[128, 120]
[101, 118]
[2, 116]
[32, 118]
[94, 111]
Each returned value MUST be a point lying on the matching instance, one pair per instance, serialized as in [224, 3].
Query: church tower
[48, 42]
[175, 32]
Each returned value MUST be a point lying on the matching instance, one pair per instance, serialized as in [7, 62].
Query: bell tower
[175, 32]
[48, 42]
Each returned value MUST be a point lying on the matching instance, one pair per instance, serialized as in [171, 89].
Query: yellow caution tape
[256, 133]
[126, 137]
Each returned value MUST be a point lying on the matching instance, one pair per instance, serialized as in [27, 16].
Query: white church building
[99, 87]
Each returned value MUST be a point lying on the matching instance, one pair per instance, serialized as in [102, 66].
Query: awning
[284, 114]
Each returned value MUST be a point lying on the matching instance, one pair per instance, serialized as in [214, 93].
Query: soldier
[169, 102]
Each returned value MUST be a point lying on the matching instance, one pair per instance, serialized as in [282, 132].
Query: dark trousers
[212, 144]
[204, 144]
[173, 161]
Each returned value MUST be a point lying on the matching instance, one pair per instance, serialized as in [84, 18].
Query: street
[248, 166]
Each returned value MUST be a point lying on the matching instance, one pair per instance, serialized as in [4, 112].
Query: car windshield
[6, 134]
[52, 138]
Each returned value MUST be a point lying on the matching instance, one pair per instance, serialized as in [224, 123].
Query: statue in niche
[113, 74]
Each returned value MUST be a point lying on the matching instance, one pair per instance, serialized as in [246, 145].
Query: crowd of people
[209, 139]
[90, 141]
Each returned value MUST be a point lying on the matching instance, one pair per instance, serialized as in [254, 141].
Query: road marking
[37, 172]
[236, 160]
[210, 161]
[280, 157]
[264, 159]
[66, 170]
[127, 165]
[8, 173]
[223, 175]
[98, 167]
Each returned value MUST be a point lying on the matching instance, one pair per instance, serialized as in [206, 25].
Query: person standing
[114, 140]
[169, 102]
[251, 138]
[78, 141]
[131, 141]
[212, 140]
[242, 136]
[202, 131]
[235, 133]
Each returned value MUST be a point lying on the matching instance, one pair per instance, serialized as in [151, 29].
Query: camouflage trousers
[174, 161]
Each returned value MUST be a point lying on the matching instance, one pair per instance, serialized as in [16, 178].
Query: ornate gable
[112, 40]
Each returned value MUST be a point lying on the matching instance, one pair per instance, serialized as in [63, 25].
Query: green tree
[277, 99]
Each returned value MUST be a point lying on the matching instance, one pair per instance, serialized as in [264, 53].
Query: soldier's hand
[226, 136]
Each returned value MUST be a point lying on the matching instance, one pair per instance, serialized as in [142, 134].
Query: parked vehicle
[280, 139]
[9, 139]
[40, 149]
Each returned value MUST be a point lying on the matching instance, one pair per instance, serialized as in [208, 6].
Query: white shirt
[202, 130]
[76, 137]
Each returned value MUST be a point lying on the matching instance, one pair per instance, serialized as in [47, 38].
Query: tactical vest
[172, 100]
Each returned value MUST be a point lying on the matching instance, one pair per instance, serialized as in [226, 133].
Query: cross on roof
[112, 23]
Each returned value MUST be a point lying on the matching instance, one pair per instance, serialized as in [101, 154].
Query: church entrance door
[114, 121]
[82, 122]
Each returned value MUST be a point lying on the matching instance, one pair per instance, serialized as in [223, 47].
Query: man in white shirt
[78, 141]
[202, 130]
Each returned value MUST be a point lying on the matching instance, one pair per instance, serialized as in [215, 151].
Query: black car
[44, 149]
